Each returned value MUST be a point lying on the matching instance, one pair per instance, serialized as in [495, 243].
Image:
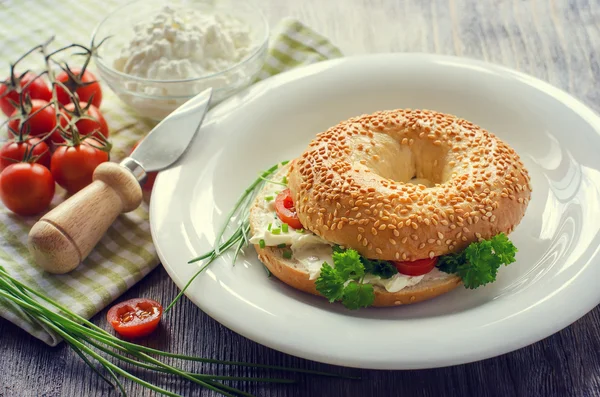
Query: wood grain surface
[555, 40]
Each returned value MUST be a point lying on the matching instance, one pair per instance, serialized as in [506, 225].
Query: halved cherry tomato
[151, 175]
[37, 89]
[284, 206]
[14, 152]
[40, 123]
[26, 188]
[85, 86]
[416, 268]
[136, 317]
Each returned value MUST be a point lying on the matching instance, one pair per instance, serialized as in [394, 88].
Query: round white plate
[553, 283]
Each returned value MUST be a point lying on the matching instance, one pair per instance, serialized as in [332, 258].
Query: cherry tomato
[416, 268]
[85, 93]
[26, 188]
[86, 127]
[37, 89]
[151, 175]
[284, 206]
[136, 317]
[73, 166]
[39, 124]
[14, 152]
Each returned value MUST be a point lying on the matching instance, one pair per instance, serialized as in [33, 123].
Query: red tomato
[26, 188]
[14, 152]
[37, 89]
[73, 166]
[416, 268]
[284, 206]
[151, 175]
[86, 127]
[85, 93]
[39, 124]
[135, 318]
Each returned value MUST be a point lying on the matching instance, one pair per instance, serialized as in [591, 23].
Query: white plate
[553, 283]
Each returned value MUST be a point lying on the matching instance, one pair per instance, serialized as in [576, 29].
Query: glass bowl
[155, 99]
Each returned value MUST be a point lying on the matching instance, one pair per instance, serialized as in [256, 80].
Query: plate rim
[580, 108]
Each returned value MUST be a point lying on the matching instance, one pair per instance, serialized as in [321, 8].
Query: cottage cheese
[184, 44]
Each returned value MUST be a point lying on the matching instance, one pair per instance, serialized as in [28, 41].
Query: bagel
[399, 185]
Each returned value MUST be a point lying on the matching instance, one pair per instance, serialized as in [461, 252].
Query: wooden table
[554, 40]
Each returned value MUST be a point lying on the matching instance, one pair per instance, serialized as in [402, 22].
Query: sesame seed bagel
[293, 273]
[408, 184]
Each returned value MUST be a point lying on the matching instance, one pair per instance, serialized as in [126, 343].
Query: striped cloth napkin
[126, 253]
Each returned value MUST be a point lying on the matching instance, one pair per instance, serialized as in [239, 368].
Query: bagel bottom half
[290, 272]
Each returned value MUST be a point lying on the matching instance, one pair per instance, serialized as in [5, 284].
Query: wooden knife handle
[65, 236]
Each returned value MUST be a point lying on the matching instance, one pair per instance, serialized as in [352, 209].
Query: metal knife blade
[165, 144]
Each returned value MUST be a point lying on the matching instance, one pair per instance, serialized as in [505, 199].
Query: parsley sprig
[478, 264]
[344, 281]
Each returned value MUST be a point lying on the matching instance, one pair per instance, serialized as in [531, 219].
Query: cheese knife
[66, 235]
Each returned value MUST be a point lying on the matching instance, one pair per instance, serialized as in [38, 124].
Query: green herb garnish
[299, 230]
[383, 269]
[284, 227]
[478, 264]
[282, 245]
[276, 231]
[284, 180]
[287, 254]
[261, 243]
[269, 226]
[344, 281]
[269, 198]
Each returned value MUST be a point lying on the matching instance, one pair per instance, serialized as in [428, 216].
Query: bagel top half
[408, 184]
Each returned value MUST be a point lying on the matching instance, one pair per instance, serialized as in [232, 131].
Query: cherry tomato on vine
[136, 317]
[91, 91]
[416, 268]
[40, 123]
[26, 188]
[14, 151]
[73, 166]
[37, 89]
[151, 175]
[284, 206]
[84, 126]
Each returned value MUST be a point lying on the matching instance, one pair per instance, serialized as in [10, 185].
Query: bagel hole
[420, 163]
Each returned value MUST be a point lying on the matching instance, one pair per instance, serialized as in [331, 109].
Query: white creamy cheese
[307, 248]
[182, 44]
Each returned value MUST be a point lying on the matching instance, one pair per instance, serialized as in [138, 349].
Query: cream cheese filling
[310, 250]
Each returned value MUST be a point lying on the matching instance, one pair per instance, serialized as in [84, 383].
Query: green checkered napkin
[126, 253]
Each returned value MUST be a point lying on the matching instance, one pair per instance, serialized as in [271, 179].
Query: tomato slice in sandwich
[416, 268]
[284, 206]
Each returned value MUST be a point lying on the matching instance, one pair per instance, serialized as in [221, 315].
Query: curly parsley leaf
[358, 295]
[450, 263]
[330, 284]
[348, 264]
[504, 248]
[478, 264]
[383, 269]
[344, 281]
